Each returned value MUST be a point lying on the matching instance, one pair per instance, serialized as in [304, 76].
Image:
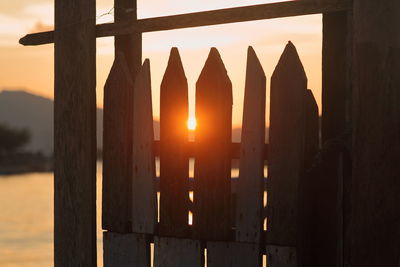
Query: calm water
[26, 219]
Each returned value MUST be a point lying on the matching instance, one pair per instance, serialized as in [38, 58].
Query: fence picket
[122, 250]
[144, 201]
[117, 183]
[233, 254]
[249, 219]
[172, 252]
[174, 161]
[286, 147]
[212, 188]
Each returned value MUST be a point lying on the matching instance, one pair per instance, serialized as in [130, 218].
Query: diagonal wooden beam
[206, 18]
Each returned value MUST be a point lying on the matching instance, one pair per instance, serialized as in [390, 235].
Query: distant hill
[21, 109]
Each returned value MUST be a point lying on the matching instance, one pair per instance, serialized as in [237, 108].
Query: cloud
[41, 27]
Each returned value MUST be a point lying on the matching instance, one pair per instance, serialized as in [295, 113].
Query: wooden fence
[129, 185]
[227, 223]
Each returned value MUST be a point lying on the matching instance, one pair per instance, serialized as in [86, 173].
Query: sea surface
[26, 218]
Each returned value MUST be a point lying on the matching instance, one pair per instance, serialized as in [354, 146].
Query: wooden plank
[144, 199]
[172, 252]
[117, 178]
[286, 147]
[126, 250]
[212, 188]
[174, 161]
[249, 219]
[191, 148]
[311, 128]
[375, 194]
[280, 256]
[206, 18]
[75, 134]
[233, 254]
[335, 66]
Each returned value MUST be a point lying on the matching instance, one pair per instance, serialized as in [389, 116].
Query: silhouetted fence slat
[249, 214]
[233, 254]
[172, 252]
[126, 250]
[174, 160]
[117, 148]
[212, 192]
[144, 201]
[286, 148]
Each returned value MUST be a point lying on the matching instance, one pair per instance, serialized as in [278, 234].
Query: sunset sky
[31, 68]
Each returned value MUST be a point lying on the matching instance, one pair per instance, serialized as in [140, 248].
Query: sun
[191, 123]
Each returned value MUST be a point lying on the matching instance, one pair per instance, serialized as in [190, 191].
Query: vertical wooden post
[286, 153]
[212, 177]
[117, 134]
[174, 160]
[250, 190]
[375, 194]
[336, 58]
[75, 134]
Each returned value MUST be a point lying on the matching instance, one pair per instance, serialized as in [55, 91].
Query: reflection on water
[26, 219]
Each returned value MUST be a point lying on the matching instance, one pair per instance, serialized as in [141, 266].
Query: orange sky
[31, 68]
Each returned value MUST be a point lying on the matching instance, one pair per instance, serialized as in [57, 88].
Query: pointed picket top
[214, 70]
[144, 202]
[289, 62]
[212, 189]
[174, 162]
[117, 173]
[174, 68]
[286, 146]
[249, 219]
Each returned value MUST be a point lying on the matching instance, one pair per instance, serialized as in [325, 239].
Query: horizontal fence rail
[206, 18]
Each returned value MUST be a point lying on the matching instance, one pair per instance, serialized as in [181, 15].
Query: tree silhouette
[12, 139]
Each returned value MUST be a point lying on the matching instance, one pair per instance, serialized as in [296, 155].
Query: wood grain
[375, 194]
[233, 254]
[214, 17]
[174, 160]
[117, 177]
[212, 188]
[249, 219]
[75, 134]
[173, 252]
[144, 199]
[286, 147]
[126, 250]
[280, 256]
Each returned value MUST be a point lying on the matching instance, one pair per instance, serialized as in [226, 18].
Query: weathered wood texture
[375, 194]
[130, 44]
[212, 188]
[249, 219]
[311, 128]
[286, 147]
[125, 250]
[174, 161]
[75, 134]
[144, 199]
[172, 252]
[117, 178]
[117, 133]
[229, 15]
[233, 254]
[335, 74]
[279, 256]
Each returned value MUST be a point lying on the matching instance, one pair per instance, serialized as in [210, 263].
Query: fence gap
[212, 185]
[174, 160]
[286, 151]
[250, 189]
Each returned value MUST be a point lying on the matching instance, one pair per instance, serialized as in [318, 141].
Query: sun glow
[191, 123]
